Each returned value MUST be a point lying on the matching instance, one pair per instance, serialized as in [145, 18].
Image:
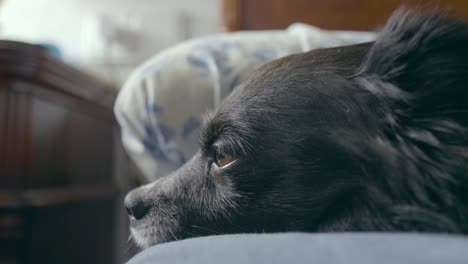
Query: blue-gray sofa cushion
[331, 248]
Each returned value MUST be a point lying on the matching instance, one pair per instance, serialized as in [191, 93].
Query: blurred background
[63, 171]
[108, 37]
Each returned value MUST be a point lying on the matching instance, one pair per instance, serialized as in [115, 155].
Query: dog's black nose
[135, 205]
[137, 210]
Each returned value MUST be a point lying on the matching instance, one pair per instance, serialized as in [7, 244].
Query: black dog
[370, 137]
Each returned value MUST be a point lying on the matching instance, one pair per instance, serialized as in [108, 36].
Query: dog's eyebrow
[221, 128]
[213, 131]
[208, 135]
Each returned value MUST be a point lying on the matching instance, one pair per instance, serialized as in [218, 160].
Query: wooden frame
[57, 144]
[327, 14]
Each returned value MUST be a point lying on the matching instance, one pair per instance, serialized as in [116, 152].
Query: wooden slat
[3, 127]
[24, 198]
[232, 15]
[329, 14]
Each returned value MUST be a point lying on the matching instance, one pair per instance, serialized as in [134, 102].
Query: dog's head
[364, 137]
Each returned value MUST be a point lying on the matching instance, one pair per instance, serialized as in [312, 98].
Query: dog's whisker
[203, 228]
[129, 245]
[128, 248]
[130, 238]
[171, 232]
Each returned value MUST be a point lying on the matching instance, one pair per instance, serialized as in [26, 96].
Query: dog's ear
[416, 75]
[419, 65]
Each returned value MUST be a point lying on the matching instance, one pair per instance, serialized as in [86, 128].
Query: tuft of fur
[418, 70]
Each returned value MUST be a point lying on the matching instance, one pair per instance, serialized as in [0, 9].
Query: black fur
[370, 137]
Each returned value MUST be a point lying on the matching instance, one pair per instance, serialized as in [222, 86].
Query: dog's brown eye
[223, 159]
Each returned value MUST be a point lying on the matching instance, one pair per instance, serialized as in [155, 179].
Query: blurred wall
[75, 26]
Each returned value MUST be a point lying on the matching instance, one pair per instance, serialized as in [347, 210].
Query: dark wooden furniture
[328, 14]
[57, 145]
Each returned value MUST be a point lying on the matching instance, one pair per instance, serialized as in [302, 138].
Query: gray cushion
[332, 248]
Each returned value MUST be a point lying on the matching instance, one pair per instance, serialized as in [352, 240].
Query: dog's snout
[135, 205]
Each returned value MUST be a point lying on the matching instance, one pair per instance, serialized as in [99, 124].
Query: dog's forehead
[277, 79]
[273, 86]
[298, 70]
[344, 60]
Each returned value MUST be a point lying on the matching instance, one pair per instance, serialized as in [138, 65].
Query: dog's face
[326, 141]
[268, 160]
